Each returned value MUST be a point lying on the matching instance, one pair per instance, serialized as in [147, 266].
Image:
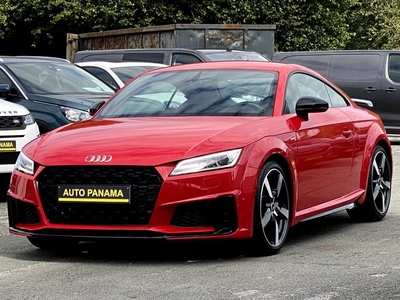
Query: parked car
[17, 128]
[54, 90]
[219, 150]
[117, 74]
[372, 75]
[167, 56]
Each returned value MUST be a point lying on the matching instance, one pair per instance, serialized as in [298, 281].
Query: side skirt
[329, 212]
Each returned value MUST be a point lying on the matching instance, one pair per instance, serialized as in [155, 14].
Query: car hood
[12, 109]
[79, 101]
[148, 141]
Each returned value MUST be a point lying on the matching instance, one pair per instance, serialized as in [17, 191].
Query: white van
[17, 128]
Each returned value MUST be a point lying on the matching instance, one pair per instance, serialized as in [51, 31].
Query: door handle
[370, 89]
[390, 90]
[346, 133]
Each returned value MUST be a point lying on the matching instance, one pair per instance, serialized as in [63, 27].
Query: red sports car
[220, 150]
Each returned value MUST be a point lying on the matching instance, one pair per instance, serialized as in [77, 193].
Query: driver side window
[303, 85]
[103, 75]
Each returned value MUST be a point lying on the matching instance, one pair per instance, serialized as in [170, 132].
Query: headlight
[25, 164]
[28, 119]
[209, 162]
[74, 115]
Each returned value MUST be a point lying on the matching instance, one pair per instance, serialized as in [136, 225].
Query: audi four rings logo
[98, 158]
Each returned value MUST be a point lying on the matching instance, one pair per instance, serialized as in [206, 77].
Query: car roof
[120, 64]
[163, 50]
[242, 65]
[135, 50]
[320, 52]
[216, 50]
[239, 65]
[6, 58]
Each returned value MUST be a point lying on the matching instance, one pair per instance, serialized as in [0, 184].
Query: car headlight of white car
[208, 162]
[28, 119]
[74, 115]
[24, 164]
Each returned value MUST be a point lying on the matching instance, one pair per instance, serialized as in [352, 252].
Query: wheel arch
[284, 164]
[282, 153]
[376, 136]
[386, 145]
[43, 126]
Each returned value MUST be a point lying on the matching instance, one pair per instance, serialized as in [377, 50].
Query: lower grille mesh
[220, 213]
[21, 212]
[145, 185]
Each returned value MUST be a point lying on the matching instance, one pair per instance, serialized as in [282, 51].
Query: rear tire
[377, 201]
[271, 211]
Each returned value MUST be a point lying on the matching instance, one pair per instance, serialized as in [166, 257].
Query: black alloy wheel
[376, 204]
[272, 210]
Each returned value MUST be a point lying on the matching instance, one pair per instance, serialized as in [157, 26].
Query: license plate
[8, 146]
[118, 194]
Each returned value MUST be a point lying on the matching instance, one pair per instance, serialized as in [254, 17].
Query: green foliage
[6, 23]
[374, 24]
[301, 24]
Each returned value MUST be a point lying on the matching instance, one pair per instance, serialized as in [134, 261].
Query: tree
[40, 26]
[374, 24]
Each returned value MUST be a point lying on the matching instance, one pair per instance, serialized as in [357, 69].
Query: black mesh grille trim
[12, 122]
[145, 185]
[22, 212]
[220, 213]
[8, 158]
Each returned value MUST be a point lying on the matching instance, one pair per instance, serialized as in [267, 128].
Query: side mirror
[95, 107]
[4, 90]
[306, 105]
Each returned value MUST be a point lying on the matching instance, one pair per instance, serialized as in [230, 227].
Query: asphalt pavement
[323, 259]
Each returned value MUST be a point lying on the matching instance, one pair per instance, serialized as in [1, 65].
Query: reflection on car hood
[148, 141]
[80, 101]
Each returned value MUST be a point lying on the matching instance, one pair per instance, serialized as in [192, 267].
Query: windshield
[57, 78]
[196, 93]
[127, 73]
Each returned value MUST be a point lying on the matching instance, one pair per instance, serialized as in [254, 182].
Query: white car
[17, 128]
[117, 74]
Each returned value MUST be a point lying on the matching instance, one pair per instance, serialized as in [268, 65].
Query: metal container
[259, 38]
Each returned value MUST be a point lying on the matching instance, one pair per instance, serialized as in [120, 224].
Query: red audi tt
[219, 150]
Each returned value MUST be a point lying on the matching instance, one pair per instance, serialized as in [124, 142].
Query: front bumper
[206, 218]
[196, 206]
[19, 138]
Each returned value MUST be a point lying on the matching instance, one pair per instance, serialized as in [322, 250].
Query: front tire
[272, 210]
[377, 201]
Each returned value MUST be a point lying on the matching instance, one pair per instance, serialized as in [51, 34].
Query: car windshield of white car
[127, 73]
[196, 93]
[57, 78]
[227, 55]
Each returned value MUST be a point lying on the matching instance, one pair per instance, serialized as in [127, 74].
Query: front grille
[220, 213]
[21, 212]
[8, 158]
[12, 122]
[145, 185]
